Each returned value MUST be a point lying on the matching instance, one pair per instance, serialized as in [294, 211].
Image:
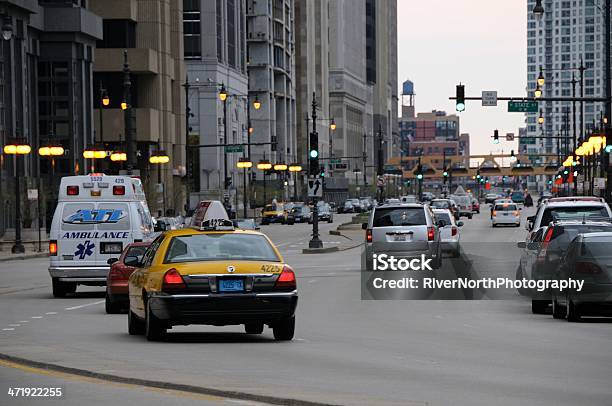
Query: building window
[192, 29]
[219, 31]
[231, 33]
[118, 34]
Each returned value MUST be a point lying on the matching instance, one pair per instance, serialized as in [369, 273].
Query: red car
[117, 279]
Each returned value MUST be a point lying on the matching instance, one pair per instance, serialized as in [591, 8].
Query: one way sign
[315, 188]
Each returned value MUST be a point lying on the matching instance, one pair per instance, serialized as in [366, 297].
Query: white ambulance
[96, 217]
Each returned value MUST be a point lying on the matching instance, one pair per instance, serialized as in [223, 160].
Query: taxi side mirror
[111, 261]
[364, 226]
[521, 244]
[132, 261]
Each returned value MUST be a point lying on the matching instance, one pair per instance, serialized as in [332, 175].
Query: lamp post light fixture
[280, 167]
[541, 118]
[16, 148]
[541, 79]
[256, 103]
[332, 125]
[223, 93]
[245, 164]
[51, 151]
[538, 10]
[537, 93]
[264, 165]
[159, 157]
[117, 156]
[295, 169]
[7, 27]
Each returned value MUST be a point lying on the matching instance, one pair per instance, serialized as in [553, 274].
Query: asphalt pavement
[346, 351]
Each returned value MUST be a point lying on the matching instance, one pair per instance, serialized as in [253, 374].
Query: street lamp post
[16, 148]
[244, 163]
[264, 165]
[223, 98]
[126, 106]
[295, 169]
[160, 157]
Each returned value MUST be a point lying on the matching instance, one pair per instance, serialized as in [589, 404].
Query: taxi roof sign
[207, 210]
[217, 225]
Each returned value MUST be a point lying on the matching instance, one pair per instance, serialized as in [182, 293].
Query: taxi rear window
[219, 247]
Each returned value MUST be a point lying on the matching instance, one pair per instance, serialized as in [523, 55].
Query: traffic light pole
[315, 242]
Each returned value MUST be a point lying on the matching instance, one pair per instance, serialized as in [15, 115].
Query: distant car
[449, 233]
[541, 259]
[409, 199]
[324, 214]
[446, 204]
[245, 224]
[491, 197]
[299, 214]
[518, 197]
[475, 206]
[117, 279]
[403, 231]
[506, 214]
[427, 196]
[273, 213]
[588, 259]
[347, 207]
[392, 201]
[357, 205]
[464, 204]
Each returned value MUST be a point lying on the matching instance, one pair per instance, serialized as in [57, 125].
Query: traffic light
[322, 172]
[313, 154]
[512, 153]
[445, 174]
[418, 172]
[460, 106]
[478, 174]
[496, 137]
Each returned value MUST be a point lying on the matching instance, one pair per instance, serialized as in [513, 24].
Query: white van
[96, 217]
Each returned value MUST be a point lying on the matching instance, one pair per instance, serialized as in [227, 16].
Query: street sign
[510, 137]
[517, 106]
[489, 98]
[234, 148]
[315, 188]
[341, 167]
[335, 160]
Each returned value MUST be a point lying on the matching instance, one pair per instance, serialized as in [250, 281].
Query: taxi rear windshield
[219, 247]
[404, 216]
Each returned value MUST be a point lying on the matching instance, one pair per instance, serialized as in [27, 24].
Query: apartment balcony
[141, 60]
[115, 9]
[147, 124]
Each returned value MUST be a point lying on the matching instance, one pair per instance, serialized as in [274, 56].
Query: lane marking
[14, 325]
[51, 313]
[23, 321]
[85, 305]
[37, 317]
[8, 329]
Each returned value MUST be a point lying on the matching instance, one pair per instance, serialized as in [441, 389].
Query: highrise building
[215, 57]
[271, 70]
[569, 35]
[152, 34]
[46, 62]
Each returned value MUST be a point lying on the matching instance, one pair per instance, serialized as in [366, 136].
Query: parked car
[403, 231]
[347, 207]
[541, 259]
[449, 233]
[588, 259]
[116, 298]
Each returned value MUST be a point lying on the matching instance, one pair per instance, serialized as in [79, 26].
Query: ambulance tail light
[72, 190]
[118, 190]
[53, 248]
[286, 279]
[173, 280]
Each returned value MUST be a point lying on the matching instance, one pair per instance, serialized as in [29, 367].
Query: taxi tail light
[118, 190]
[173, 280]
[587, 268]
[431, 233]
[286, 279]
[72, 190]
[454, 231]
[53, 248]
[369, 235]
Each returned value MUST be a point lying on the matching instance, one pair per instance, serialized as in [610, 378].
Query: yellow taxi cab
[273, 213]
[212, 274]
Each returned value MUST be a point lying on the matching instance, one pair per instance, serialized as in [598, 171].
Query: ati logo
[95, 216]
[84, 249]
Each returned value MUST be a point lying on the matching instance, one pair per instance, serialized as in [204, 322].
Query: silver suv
[403, 231]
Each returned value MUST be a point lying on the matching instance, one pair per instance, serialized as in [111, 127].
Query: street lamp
[118, 156]
[332, 125]
[16, 148]
[94, 153]
[223, 93]
[159, 158]
[280, 167]
[537, 93]
[256, 103]
[538, 10]
[264, 165]
[541, 79]
[244, 163]
[541, 118]
[295, 168]
[7, 28]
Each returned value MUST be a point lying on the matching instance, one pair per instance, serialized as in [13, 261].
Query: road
[346, 351]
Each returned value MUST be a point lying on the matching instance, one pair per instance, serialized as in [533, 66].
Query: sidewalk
[8, 256]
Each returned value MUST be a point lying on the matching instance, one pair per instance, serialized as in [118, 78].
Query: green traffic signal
[314, 153]
[445, 174]
[420, 176]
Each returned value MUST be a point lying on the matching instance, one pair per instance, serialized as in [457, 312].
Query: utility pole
[606, 156]
[128, 116]
[365, 161]
[188, 163]
[315, 242]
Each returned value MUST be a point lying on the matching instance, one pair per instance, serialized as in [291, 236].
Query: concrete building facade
[152, 33]
[216, 55]
[46, 63]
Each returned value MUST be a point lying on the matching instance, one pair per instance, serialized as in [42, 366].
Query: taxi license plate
[231, 285]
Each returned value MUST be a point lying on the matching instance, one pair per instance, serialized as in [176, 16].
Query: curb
[320, 250]
[163, 385]
[26, 256]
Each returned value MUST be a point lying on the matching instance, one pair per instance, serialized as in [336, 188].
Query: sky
[480, 43]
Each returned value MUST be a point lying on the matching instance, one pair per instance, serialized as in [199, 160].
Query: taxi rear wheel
[254, 328]
[111, 306]
[154, 328]
[135, 325]
[284, 330]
